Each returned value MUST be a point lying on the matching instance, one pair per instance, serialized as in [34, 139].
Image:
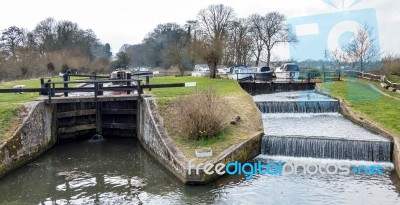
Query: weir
[298, 106]
[327, 148]
[307, 124]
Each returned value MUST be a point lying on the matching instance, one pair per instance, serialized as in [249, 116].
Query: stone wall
[31, 139]
[396, 155]
[159, 144]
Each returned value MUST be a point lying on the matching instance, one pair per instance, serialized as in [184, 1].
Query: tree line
[52, 46]
[217, 36]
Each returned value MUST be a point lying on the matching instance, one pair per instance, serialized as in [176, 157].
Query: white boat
[201, 70]
[289, 71]
[264, 74]
[241, 72]
[119, 74]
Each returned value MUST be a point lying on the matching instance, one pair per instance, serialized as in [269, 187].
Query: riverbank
[13, 107]
[363, 98]
[239, 101]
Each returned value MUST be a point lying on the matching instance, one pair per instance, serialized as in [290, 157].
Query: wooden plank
[72, 129]
[118, 111]
[122, 126]
[21, 90]
[76, 113]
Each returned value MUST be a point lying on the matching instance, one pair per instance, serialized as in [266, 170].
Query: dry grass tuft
[201, 115]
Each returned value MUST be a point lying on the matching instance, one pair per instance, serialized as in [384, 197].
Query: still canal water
[121, 172]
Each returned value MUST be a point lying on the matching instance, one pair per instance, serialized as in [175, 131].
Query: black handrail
[308, 77]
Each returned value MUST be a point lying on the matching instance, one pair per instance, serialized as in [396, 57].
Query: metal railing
[374, 77]
[367, 76]
[49, 88]
[124, 85]
[391, 84]
[290, 76]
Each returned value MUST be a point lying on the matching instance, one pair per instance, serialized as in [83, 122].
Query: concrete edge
[177, 163]
[172, 158]
[348, 113]
[16, 142]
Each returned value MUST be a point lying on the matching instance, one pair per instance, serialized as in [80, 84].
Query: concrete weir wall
[264, 88]
[158, 143]
[347, 112]
[34, 137]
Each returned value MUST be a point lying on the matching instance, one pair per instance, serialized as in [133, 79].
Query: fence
[367, 76]
[370, 76]
[288, 76]
[125, 85]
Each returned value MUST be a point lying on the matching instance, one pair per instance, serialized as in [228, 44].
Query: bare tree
[45, 35]
[362, 49]
[273, 31]
[258, 44]
[337, 58]
[214, 22]
[238, 43]
[11, 39]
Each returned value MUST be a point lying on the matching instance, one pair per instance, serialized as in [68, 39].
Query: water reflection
[121, 172]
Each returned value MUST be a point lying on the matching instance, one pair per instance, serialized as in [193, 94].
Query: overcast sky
[128, 21]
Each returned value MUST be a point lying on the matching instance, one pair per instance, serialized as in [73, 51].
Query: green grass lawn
[366, 101]
[238, 100]
[223, 86]
[394, 78]
[10, 103]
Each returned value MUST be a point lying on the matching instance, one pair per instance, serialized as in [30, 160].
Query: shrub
[24, 70]
[50, 67]
[201, 115]
[64, 68]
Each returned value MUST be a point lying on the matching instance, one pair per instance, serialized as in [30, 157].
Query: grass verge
[368, 102]
[394, 78]
[11, 104]
[238, 100]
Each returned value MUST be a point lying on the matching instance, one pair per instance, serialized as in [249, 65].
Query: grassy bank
[11, 104]
[238, 100]
[394, 78]
[363, 97]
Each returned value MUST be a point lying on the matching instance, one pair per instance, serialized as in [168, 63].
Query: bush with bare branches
[202, 115]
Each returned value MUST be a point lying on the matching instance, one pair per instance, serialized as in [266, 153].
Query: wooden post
[99, 128]
[66, 76]
[49, 92]
[148, 81]
[128, 77]
[96, 88]
[100, 87]
[42, 86]
[139, 89]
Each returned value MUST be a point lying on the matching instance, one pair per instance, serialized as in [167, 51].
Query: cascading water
[328, 148]
[298, 106]
[306, 124]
